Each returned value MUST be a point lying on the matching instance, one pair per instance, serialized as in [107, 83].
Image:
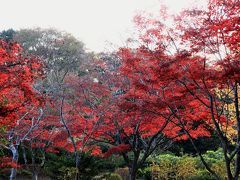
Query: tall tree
[214, 34]
[63, 55]
[18, 72]
[202, 72]
[61, 52]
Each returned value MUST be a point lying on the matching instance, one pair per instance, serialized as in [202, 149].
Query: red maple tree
[17, 73]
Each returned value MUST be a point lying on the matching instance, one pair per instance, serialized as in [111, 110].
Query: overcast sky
[100, 24]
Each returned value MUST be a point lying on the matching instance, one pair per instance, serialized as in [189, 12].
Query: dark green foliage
[54, 163]
[204, 144]
[59, 165]
[7, 35]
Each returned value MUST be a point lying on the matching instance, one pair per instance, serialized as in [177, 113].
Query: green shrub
[24, 172]
[169, 166]
[123, 172]
[68, 173]
[186, 167]
[60, 166]
[114, 176]
[146, 173]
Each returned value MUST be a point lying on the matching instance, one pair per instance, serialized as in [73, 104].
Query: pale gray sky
[96, 22]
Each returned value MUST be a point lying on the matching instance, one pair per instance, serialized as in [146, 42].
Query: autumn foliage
[179, 83]
[17, 75]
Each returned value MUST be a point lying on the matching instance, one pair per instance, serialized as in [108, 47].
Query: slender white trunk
[14, 151]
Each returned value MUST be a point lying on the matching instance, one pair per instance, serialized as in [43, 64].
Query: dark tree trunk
[237, 160]
[78, 160]
[236, 170]
[228, 168]
[34, 169]
[134, 166]
[24, 155]
[237, 164]
[133, 173]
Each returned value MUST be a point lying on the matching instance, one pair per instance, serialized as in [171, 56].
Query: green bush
[169, 166]
[123, 172]
[62, 166]
[114, 176]
[67, 173]
[146, 173]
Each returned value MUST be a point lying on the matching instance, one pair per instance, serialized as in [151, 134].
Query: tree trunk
[35, 175]
[15, 155]
[13, 174]
[34, 169]
[77, 161]
[133, 173]
[24, 155]
[77, 175]
[43, 159]
[237, 160]
[134, 167]
[236, 173]
[228, 168]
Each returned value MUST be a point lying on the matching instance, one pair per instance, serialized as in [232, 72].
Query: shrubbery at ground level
[163, 166]
[169, 166]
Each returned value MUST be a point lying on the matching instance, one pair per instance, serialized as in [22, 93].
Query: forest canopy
[166, 106]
